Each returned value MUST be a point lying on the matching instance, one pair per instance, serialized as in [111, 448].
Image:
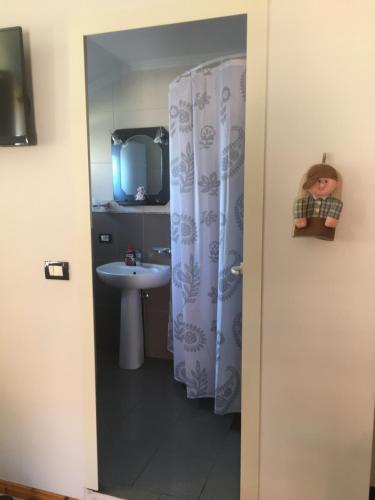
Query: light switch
[56, 270]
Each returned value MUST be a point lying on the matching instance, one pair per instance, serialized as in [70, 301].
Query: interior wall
[318, 307]
[41, 356]
[100, 125]
[317, 403]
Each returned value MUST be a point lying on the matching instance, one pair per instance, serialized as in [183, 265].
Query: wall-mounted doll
[317, 212]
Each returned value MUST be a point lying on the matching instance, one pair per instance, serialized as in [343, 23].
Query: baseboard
[28, 493]
[372, 493]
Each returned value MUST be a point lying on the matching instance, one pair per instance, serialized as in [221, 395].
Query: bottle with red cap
[130, 256]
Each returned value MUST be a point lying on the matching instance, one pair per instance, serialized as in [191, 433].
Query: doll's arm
[330, 222]
[334, 213]
[300, 212]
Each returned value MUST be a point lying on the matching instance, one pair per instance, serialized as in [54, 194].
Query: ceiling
[171, 45]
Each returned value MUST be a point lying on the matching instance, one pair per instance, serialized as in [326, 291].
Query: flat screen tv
[16, 113]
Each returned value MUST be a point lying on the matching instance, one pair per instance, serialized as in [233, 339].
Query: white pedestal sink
[131, 279]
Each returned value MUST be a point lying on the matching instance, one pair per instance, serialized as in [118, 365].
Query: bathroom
[153, 441]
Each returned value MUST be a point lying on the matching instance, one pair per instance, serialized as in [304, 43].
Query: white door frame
[140, 15]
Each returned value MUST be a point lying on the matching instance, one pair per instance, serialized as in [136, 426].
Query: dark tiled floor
[154, 444]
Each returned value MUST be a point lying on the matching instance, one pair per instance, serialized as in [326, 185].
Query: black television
[16, 112]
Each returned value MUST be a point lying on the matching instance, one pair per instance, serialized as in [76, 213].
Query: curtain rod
[215, 62]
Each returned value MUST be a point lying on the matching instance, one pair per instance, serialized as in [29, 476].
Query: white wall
[100, 126]
[317, 399]
[318, 310]
[41, 382]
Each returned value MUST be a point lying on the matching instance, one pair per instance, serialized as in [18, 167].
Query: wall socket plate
[105, 238]
[56, 270]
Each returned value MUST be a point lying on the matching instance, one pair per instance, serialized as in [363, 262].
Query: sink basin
[131, 279]
[134, 277]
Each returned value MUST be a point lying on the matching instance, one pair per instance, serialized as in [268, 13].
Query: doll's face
[323, 187]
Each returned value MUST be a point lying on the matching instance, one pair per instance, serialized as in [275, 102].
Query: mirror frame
[160, 198]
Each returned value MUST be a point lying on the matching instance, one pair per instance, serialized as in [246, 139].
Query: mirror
[140, 166]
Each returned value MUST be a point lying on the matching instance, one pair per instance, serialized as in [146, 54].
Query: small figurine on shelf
[318, 211]
[140, 194]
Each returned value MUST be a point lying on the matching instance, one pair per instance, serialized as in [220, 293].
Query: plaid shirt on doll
[317, 207]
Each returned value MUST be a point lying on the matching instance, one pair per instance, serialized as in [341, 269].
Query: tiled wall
[143, 231]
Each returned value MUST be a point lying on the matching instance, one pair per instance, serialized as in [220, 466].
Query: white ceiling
[164, 46]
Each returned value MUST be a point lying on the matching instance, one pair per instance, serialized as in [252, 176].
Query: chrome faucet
[161, 250]
[138, 256]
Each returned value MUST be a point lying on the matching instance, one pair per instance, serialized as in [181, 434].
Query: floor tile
[154, 443]
[224, 479]
[183, 476]
[125, 452]
[183, 462]
[131, 494]
[169, 497]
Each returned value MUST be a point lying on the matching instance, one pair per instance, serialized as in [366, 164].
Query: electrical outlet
[105, 238]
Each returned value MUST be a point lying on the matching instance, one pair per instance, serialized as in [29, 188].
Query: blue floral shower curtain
[206, 127]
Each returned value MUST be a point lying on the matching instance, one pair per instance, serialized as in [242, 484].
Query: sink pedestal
[131, 355]
[131, 280]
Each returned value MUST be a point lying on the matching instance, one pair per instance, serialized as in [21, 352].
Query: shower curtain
[206, 127]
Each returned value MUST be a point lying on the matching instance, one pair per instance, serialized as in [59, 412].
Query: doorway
[153, 442]
[253, 215]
